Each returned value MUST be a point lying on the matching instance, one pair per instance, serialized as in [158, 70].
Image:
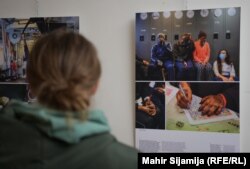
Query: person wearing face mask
[223, 67]
[161, 55]
[183, 54]
[201, 58]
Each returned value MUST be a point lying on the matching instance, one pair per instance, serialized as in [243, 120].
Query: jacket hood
[54, 122]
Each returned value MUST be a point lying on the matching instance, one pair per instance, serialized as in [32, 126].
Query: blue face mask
[222, 56]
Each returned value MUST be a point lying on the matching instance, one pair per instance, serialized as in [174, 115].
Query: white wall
[110, 25]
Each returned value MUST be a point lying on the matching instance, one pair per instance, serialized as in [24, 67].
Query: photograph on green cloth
[205, 107]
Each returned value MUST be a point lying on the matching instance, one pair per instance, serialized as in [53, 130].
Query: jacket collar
[55, 124]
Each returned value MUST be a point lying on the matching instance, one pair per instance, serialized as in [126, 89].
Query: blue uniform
[162, 55]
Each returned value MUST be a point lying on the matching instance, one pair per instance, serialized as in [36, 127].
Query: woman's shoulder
[107, 150]
[113, 146]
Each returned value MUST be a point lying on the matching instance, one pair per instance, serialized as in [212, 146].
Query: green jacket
[35, 137]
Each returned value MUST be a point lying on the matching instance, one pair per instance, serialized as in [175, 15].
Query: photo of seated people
[150, 105]
[194, 45]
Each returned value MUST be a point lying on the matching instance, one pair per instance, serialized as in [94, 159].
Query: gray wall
[210, 24]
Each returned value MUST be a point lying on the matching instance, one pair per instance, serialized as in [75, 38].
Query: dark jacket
[44, 141]
[183, 51]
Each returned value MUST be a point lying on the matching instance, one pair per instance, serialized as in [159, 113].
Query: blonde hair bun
[62, 69]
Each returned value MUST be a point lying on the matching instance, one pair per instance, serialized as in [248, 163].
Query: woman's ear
[94, 88]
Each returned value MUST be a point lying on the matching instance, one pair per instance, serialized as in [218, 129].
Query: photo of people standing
[17, 37]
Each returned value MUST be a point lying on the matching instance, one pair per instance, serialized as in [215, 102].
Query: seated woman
[201, 56]
[223, 67]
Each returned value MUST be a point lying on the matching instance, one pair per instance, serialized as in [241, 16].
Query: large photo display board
[187, 81]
